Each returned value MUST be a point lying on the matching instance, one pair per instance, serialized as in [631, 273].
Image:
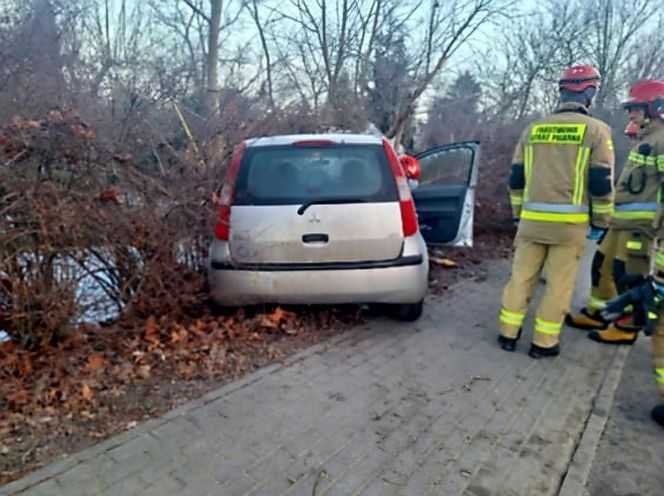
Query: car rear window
[285, 175]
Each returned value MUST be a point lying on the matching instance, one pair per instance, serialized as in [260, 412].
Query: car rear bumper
[403, 280]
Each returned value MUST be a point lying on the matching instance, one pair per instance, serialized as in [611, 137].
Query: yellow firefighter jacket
[638, 190]
[562, 177]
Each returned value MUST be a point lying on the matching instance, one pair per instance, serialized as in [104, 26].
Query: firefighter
[627, 247]
[561, 189]
[658, 336]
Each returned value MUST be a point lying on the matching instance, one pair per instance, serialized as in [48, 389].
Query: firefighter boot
[586, 320]
[657, 414]
[509, 344]
[539, 352]
[614, 335]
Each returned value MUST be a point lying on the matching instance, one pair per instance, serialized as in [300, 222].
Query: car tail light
[223, 228]
[406, 203]
[411, 166]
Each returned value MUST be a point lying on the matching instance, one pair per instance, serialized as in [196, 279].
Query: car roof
[340, 138]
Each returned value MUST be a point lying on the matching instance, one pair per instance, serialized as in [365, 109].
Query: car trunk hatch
[315, 204]
[325, 233]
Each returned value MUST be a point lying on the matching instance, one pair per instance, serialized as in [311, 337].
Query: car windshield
[289, 175]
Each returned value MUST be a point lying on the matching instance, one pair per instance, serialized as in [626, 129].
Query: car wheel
[408, 312]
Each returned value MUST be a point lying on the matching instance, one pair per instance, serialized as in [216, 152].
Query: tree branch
[198, 11]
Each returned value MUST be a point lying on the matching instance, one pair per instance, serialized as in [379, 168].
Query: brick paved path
[433, 407]
[630, 454]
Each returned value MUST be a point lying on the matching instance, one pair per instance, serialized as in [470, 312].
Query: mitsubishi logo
[314, 219]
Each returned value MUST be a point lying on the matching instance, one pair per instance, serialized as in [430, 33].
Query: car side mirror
[411, 166]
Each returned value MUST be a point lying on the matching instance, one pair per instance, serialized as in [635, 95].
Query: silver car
[331, 218]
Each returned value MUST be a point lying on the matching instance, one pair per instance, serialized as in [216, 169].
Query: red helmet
[577, 78]
[649, 94]
[631, 129]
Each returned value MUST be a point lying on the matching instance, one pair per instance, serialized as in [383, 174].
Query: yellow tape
[596, 303]
[634, 245]
[511, 318]
[581, 162]
[641, 159]
[660, 163]
[528, 166]
[659, 260]
[603, 209]
[634, 215]
[550, 328]
[660, 375]
[555, 217]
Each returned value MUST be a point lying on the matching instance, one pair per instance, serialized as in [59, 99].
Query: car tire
[218, 310]
[408, 312]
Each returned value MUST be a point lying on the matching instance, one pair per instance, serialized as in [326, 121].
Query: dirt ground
[471, 263]
[61, 401]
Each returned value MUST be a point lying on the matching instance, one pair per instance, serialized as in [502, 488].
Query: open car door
[445, 195]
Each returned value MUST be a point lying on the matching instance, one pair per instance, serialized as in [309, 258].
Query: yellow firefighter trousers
[561, 263]
[658, 351]
[634, 249]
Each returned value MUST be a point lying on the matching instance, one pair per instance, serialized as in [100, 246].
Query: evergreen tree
[454, 116]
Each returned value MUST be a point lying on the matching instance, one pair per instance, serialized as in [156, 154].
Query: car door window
[445, 195]
[447, 167]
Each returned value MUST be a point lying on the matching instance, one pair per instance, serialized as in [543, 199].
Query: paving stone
[274, 463]
[239, 486]
[80, 480]
[201, 487]
[163, 486]
[50, 488]
[231, 466]
[130, 486]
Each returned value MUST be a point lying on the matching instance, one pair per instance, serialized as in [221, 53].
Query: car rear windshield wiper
[328, 201]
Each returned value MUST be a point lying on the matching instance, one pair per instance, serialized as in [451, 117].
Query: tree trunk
[266, 51]
[212, 90]
[43, 75]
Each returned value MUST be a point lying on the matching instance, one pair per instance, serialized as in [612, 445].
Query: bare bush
[81, 227]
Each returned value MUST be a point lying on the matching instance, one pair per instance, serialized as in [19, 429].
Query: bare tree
[323, 34]
[614, 25]
[369, 28]
[32, 60]
[262, 34]
[212, 97]
[448, 27]
[534, 48]
[189, 29]
[646, 58]
[216, 18]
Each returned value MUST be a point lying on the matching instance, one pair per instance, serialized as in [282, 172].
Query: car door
[445, 194]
